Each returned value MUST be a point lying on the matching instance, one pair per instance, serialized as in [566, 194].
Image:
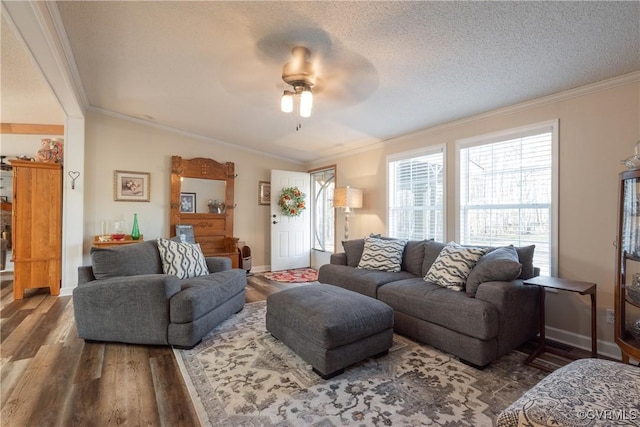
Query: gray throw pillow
[500, 264]
[353, 249]
[525, 256]
[126, 260]
[431, 251]
[413, 257]
[382, 255]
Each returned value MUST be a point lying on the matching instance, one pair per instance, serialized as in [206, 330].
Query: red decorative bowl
[117, 236]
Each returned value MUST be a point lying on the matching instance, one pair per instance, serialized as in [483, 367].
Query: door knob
[275, 222]
[274, 215]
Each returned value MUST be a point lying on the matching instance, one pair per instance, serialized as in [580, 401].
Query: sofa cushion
[200, 295]
[453, 265]
[525, 256]
[182, 259]
[432, 303]
[126, 260]
[358, 280]
[500, 264]
[413, 257]
[431, 251]
[382, 254]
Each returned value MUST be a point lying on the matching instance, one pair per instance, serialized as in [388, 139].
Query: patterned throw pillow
[382, 254]
[453, 265]
[182, 259]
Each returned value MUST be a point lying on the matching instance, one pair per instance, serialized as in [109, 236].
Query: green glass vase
[135, 232]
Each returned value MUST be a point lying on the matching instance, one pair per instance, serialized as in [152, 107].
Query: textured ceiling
[385, 68]
[24, 96]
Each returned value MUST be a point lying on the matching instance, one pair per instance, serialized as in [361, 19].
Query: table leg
[594, 328]
[541, 344]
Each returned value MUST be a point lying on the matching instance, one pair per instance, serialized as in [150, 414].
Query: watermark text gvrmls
[609, 414]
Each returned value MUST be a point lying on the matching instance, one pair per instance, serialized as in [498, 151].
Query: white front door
[290, 236]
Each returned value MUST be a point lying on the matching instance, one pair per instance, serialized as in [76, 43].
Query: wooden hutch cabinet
[627, 308]
[36, 226]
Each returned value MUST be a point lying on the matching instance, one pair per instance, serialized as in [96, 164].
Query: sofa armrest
[131, 309]
[518, 308]
[85, 274]
[339, 258]
[216, 264]
[505, 295]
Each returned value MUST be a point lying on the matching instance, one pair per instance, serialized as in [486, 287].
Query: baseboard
[605, 348]
[261, 268]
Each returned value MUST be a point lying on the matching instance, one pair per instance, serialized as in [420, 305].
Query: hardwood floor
[50, 377]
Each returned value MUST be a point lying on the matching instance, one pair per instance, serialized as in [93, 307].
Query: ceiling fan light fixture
[306, 102]
[286, 102]
[299, 74]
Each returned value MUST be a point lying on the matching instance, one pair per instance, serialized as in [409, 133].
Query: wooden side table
[126, 241]
[583, 288]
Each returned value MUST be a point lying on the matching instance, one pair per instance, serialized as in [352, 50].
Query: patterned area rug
[299, 275]
[241, 375]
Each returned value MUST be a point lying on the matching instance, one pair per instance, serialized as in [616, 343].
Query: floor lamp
[347, 198]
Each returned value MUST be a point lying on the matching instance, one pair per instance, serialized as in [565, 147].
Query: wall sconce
[347, 198]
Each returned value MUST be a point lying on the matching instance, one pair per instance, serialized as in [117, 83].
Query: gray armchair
[124, 297]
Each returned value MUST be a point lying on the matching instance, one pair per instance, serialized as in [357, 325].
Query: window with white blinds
[508, 191]
[416, 195]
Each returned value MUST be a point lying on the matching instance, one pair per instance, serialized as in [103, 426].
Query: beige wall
[598, 128]
[115, 144]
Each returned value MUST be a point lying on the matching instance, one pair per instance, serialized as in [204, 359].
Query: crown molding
[181, 132]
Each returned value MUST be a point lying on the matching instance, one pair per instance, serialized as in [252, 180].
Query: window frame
[406, 155]
[551, 126]
[331, 223]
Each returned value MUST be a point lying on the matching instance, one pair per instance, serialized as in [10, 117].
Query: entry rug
[299, 275]
[241, 375]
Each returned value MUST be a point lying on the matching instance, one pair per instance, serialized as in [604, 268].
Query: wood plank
[91, 360]
[11, 323]
[50, 407]
[12, 372]
[31, 129]
[127, 395]
[26, 394]
[170, 391]
[39, 334]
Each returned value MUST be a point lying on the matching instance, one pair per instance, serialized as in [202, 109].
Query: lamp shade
[347, 197]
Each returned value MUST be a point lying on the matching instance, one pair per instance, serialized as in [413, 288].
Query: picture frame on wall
[131, 186]
[188, 202]
[264, 193]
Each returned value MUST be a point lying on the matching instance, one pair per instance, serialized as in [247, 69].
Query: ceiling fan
[300, 74]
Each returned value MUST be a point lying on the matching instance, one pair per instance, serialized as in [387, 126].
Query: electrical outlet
[610, 316]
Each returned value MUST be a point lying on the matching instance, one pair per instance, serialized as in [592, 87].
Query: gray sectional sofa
[479, 325]
[125, 297]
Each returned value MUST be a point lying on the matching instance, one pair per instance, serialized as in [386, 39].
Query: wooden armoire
[36, 226]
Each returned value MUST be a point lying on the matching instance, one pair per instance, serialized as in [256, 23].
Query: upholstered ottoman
[330, 327]
[592, 392]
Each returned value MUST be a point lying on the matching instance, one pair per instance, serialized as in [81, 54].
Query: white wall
[599, 126]
[116, 144]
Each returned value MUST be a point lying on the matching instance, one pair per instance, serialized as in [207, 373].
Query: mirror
[193, 183]
[206, 192]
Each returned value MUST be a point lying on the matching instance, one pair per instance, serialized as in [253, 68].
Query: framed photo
[188, 202]
[131, 186]
[264, 192]
[185, 233]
